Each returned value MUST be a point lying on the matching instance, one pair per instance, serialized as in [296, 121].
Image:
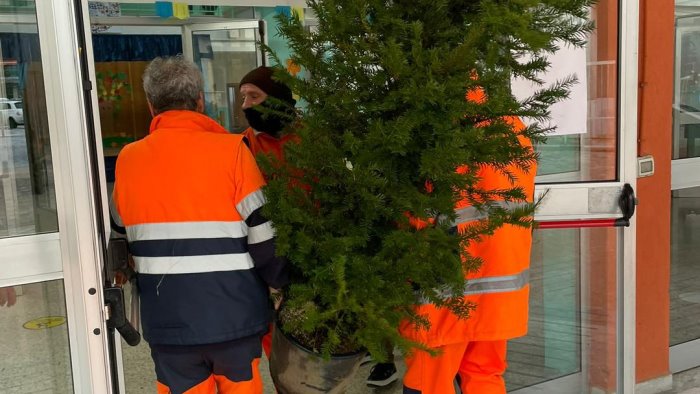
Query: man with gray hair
[188, 199]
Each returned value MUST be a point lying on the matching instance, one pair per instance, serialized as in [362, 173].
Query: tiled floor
[35, 360]
[687, 382]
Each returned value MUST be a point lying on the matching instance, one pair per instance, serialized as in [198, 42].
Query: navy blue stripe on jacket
[197, 308]
[188, 247]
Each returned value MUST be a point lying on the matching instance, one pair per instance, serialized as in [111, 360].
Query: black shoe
[382, 374]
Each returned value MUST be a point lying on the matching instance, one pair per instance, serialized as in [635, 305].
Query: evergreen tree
[385, 127]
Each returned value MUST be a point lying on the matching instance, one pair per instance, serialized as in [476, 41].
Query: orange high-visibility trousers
[479, 364]
[222, 385]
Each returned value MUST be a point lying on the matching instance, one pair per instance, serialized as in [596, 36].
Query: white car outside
[12, 114]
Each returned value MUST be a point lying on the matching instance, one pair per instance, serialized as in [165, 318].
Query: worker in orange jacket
[188, 199]
[264, 134]
[474, 349]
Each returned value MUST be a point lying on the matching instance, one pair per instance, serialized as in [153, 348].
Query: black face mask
[272, 120]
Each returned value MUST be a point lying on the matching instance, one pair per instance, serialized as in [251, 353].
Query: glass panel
[34, 340]
[121, 54]
[584, 146]
[224, 57]
[27, 195]
[686, 106]
[685, 272]
[572, 314]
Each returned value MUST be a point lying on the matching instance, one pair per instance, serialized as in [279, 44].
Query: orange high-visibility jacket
[188, 197]
[264, 143]
[500, 288]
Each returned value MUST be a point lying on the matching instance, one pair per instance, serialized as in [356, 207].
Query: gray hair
[172, 83]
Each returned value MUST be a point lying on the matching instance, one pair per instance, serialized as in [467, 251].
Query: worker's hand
[120, 278]
[7, 296]
[123, 276]
[276, 296]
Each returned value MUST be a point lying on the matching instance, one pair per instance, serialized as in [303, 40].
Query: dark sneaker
[382, 374]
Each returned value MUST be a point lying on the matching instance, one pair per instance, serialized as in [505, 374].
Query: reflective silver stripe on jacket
[250, 203]
[261, 233]
[491, 284]
[193, 264]
[497, 284]
[186, 230]
[192, 233]
[469, 214]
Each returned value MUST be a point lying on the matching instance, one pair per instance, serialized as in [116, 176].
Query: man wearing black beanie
[267, 118]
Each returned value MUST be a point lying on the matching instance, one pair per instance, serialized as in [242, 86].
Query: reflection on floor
[685, 265]
[35, 360]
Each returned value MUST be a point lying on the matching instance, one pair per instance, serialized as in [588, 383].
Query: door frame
[79, 192]
[684, 172]
[598, 200]
[188, 29]
[627, 261]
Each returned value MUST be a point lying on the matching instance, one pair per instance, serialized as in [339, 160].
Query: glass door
[32, 290]
[582, 278]
[685, 191]
[225, 52]
[50, 309]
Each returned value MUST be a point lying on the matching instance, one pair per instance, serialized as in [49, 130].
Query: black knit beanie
[262, 78]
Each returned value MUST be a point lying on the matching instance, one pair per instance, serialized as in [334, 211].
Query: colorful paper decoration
[181, 10]
[299, 11]
[283, 9]
[164, 9]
